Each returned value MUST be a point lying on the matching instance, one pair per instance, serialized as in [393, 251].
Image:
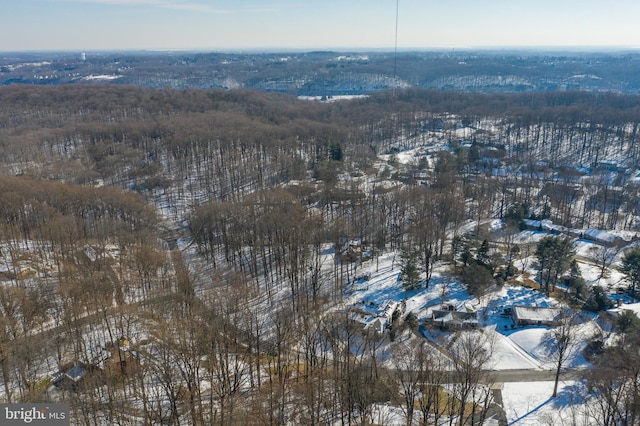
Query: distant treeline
[335, 73]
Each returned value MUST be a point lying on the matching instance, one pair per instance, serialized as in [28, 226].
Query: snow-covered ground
[508, 355]
[513, 347]
[531, 404]
[332, 98]
[102, 77]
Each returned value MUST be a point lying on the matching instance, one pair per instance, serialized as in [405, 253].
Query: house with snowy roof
[633, 307]
[536, 315]
[603, 237]
[454, 320]
[369, 321]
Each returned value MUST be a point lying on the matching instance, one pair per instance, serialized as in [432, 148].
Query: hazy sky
[314, 24]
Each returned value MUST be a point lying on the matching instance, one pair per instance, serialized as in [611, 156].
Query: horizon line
[245, 50]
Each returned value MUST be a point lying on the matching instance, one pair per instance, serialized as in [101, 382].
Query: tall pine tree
[410, 275]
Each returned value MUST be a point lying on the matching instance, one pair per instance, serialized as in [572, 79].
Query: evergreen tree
[628, 322]
[598, 301]
[412, 321]
[477, 278]
[631, 268]
[554, 256]
[335, 152]
[482, 256]
[576, 282]
[410, 275]
[516, 214]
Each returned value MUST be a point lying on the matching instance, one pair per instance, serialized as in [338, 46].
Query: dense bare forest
[165, 251]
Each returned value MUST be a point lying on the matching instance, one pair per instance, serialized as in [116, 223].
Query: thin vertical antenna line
[395, 51]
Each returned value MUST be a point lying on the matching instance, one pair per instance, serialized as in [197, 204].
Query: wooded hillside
[195, 225]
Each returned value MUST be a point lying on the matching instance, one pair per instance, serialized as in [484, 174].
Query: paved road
[507, 376]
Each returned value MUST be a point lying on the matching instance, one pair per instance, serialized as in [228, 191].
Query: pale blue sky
[314, 24]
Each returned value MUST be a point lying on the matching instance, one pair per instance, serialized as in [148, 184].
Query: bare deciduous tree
[603, 256]
[561, 342]
[471, 355]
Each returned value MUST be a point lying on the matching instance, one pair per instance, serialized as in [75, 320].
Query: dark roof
[76, 372]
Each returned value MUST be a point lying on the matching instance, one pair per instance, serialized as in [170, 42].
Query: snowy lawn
[530, 403]
[383, 286]
[509, 356]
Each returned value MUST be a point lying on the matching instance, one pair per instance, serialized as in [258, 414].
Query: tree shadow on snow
[533, 410]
